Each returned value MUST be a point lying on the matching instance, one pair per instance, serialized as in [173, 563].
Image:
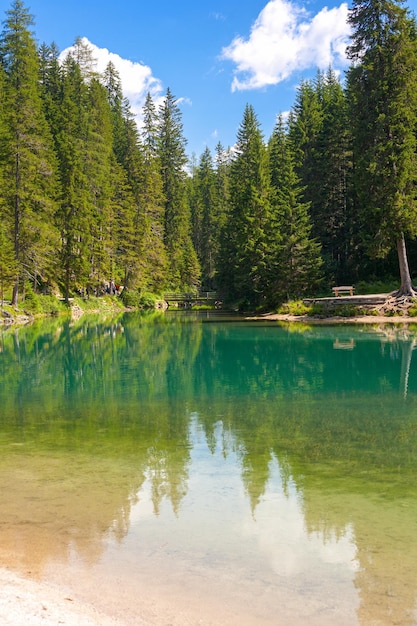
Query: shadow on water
[101, 419]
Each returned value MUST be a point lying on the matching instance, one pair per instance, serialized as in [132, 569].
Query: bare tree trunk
[406, 288]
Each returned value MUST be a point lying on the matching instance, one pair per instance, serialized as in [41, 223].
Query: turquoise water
[184, 467]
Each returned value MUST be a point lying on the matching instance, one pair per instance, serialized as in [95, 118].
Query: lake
[200, 469]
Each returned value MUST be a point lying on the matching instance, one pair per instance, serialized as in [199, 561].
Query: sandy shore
[24, 602]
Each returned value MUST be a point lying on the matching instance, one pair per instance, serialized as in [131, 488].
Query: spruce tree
[51, 83]
[295, 260]
[152, 203]
[76, 208]
[184, 266]
[382, 89]
[333, 220]
[98, 167]
[28, 160]
[245, 245]
[205, 218]
[132, 160]
[112, 82]
[123, 252]
[125, 174]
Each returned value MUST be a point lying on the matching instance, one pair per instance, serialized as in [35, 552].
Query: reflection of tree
[384, 533]
[84, 390]
[400, 340]
[351, 471]
[61, 504]
[407, 348]
[117, 396]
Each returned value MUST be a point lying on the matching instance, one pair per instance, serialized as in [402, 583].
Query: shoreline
[336, 319]
[27, 602]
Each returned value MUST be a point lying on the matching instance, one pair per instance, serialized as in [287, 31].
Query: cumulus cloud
[284, 39]
[137, 79]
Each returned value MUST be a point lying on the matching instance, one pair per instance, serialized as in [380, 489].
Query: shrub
[412, 311]
[147, 300]
[50, 305]
[32, 302]
[376, 286]
[294, 307]
[130, 298]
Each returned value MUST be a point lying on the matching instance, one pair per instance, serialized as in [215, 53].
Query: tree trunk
[15, 296]
[406, 288]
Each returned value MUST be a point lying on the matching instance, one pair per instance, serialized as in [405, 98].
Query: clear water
[204, 470]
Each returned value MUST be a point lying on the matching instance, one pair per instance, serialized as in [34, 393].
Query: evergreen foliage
[7, 263]
[246, 251]
[27, 159]
[319, 131]
[184, 266]
[89, 199]
[296, 262]
[382, 95]
[205, 218]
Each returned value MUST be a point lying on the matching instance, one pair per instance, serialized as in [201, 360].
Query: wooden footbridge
[187, 300]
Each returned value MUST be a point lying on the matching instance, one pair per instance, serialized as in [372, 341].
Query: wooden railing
[191, 297]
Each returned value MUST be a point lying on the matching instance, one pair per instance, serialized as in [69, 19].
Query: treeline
[88, 199]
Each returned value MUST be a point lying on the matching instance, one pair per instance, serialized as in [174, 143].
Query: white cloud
[137, 79]
[187, 101]
[284, 39]
[218, 16]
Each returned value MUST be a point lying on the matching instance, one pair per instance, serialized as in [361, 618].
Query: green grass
[377, 286]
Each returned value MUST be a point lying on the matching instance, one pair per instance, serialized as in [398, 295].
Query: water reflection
[267, 459]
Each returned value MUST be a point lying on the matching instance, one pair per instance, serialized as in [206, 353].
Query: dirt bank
[360, 319]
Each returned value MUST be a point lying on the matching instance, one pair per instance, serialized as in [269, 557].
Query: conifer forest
[88, 198]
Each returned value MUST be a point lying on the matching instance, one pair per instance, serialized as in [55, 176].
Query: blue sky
[215, 55]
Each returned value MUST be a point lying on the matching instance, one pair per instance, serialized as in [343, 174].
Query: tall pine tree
[295, 262]
[152, 203]
[75, 215]
[28, 161]
[184, 266]
[245, 245]
[382, 89]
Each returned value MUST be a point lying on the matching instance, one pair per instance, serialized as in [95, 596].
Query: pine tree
[185, 270]
[125, 163]
[28, 160]
[132, 160]
[76, 206]
[51, 83]
[223, 161]
[382, 89]
[152, 203]
[295, 260]
[331, 212]
[321, 143]
[244, 255]
[83, 56]
[123, 252]
[205, 218]
[305, 125]
[113, 85]
[98, 167]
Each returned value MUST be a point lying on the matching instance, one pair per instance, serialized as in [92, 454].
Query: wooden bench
[337, 291]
